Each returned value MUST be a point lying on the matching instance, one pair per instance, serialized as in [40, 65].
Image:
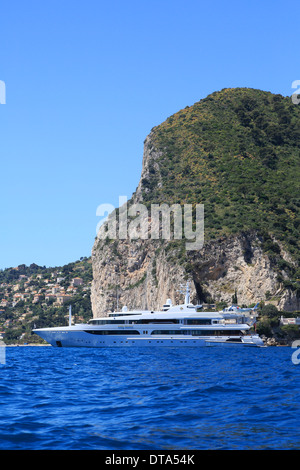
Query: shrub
[293, 331]
[264, 328]
[269, 311]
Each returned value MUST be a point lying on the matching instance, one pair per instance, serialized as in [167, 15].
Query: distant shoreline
[24, 345]
[47, 345]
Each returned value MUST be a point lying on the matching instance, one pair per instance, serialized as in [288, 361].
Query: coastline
[49, 345]
[24, 345]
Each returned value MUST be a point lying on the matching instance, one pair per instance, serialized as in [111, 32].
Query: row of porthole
[126, 342]
[154, 341]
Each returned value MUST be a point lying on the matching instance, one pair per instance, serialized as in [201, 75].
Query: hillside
[40, 296]
[238, 153]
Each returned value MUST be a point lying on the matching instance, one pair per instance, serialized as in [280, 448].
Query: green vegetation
[238, 152]
[269, 324]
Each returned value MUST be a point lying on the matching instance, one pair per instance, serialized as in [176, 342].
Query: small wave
[218, 389]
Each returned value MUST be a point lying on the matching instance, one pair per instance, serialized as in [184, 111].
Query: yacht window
[167, 332]
[157, 320]
[112, 332]
[198, 321]
[106, 322]
[214, 332]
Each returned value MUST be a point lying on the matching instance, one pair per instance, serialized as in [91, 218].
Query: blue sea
[149, 399]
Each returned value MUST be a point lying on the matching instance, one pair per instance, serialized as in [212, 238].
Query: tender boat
[174, 326]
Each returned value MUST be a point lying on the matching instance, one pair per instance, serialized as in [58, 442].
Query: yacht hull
[66, 338]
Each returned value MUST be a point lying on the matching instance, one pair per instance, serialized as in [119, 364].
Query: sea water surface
[158, 398]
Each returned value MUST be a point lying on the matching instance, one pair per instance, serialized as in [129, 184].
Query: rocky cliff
[237, 152]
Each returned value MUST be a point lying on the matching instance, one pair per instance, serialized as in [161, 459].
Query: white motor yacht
[174, 326]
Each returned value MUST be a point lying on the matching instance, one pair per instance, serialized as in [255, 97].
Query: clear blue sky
[86, 82]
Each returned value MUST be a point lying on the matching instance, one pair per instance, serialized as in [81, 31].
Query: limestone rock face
[142, 274]
[137, 275]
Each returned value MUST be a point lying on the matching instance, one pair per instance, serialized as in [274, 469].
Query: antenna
[185, 289]
[146, 292]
